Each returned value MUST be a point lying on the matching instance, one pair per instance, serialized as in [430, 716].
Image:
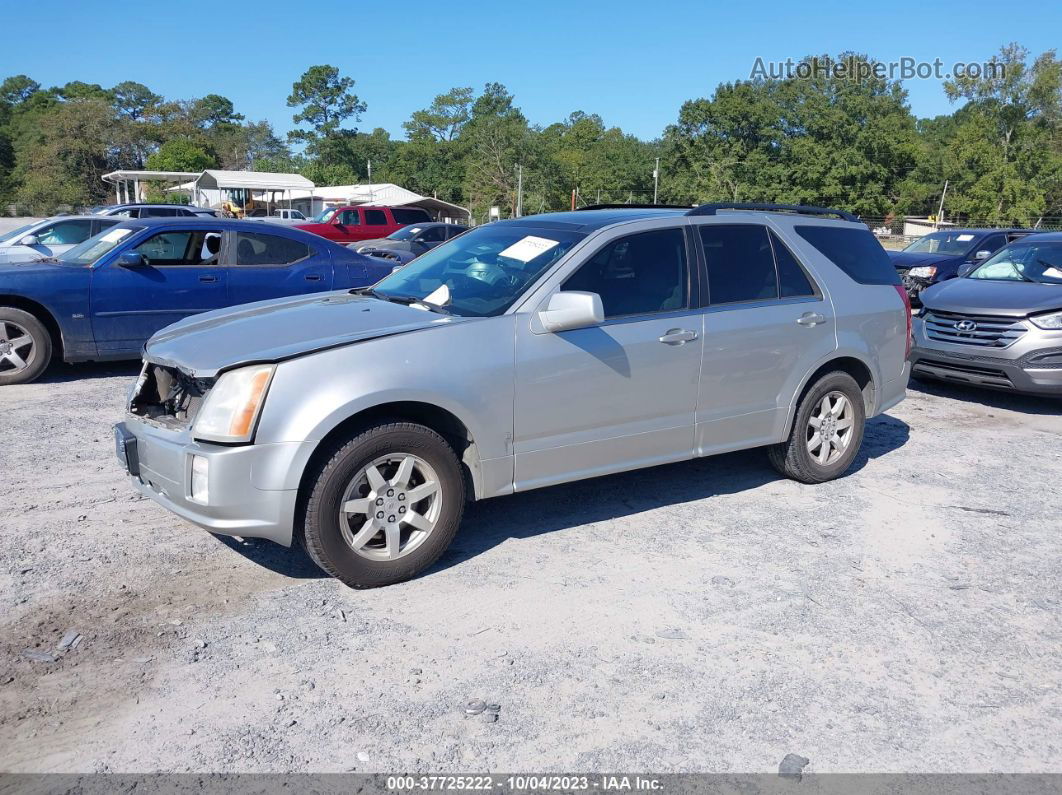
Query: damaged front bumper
[238, 490]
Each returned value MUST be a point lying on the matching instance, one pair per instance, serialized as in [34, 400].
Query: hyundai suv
[518, 355]
[1000, 326]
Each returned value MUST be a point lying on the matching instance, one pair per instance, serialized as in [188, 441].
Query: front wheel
[25, 346]
[827, 431]
[384, 506]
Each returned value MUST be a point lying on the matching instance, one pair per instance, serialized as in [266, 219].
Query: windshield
[405, 233]
[95, 247]
[324, 216]
[8, 237]
[484, 270]
[1024, 262]
[956, 243]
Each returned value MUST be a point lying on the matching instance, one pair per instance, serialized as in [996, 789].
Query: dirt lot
[706, 616]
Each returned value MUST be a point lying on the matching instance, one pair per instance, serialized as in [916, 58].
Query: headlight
[1052, 322]
[923, 272]
[231, 409]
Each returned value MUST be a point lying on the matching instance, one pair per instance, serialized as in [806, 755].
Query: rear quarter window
[855, 251]
[410, 215]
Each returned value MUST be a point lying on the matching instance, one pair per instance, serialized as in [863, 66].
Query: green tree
[180, 154]
[325, 101]
[1004, 158]
[444, 118]
[69, 150]
[133, 101]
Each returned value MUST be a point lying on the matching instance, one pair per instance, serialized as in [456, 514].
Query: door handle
[313, 277]
[811, 319]
[208, 278]
[678, 336]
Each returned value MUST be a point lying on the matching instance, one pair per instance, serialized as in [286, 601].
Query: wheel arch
[444, 422]
[855, 366]
[43, 314]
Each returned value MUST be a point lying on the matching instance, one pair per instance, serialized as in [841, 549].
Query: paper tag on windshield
[1053, 273]
[964, 238]
[115, 235]
[528, 248]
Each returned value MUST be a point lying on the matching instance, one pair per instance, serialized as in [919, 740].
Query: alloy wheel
[830, 428]
[390, 507]
[16, 347]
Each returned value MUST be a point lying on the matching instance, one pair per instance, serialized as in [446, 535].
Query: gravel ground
[698, 617]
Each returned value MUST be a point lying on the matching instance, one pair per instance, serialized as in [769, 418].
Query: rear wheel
[25, 346]
[827, 431]
[385, 505]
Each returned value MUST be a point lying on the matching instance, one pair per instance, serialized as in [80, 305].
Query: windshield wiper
[404, 300]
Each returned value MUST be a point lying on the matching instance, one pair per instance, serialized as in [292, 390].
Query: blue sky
[634, 63]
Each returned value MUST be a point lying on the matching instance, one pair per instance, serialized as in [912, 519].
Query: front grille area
[168, 396]
[987, 331]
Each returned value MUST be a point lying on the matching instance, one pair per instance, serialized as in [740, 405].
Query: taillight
[907, 314]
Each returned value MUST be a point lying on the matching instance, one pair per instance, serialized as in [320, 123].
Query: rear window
[855, 251]
[409, 216]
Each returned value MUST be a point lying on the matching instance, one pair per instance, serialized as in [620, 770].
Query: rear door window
[855, 251]
[740, 263]
[255, 248]
[375, 218]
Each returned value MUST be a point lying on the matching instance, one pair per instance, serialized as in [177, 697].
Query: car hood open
[987, 297]
[271, 331]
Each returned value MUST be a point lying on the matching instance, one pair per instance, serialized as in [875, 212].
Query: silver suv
[521, 354]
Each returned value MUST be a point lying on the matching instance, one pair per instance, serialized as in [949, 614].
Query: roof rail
[801, 209]
[634, 207]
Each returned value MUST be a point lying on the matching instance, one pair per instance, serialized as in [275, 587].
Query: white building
[382, 194]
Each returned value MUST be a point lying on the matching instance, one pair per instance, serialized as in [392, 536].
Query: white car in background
[51, 237]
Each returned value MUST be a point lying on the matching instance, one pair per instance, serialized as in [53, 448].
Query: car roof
[188, 222]
[1045, 237]
[591, 220]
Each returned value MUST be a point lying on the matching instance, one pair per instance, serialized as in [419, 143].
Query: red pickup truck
[351, 224]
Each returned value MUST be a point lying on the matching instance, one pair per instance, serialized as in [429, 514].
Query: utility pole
[368, 164]
[656, 179]
[940, 210]
[519, 191]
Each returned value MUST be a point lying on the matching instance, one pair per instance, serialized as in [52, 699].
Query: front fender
[465, 369]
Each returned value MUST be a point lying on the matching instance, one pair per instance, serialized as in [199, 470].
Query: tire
[344, 479]
[797, 457]
[25, 346]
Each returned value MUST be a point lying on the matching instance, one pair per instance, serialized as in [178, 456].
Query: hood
[270, 331]
[384, 243]
[27, 266]
[912, 259]
[987, 297]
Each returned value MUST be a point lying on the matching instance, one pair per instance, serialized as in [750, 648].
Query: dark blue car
[939, 256]
[103, 298]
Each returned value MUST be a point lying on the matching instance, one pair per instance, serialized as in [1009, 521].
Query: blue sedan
[103, 298]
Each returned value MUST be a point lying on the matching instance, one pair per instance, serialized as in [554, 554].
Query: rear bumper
[237, 504]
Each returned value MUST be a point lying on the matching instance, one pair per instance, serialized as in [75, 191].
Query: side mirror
[130, 259]
[967, 267]
[983, 254]
[571, 310]
[28, 240]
